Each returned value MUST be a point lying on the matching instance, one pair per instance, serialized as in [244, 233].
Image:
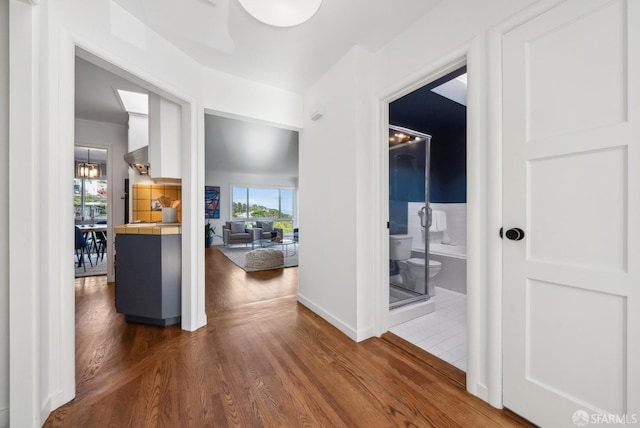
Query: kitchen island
[148, 273]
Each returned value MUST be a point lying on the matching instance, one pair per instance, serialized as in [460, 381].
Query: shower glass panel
[409, 216]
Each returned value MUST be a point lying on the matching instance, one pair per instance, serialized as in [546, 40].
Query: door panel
[571, 296]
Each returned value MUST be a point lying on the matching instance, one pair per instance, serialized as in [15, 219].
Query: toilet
[412, 270]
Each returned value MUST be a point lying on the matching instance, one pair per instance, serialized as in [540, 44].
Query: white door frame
[483, 57]
[43, 359]
[483, 370]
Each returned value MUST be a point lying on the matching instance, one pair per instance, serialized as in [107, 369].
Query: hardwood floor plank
[263, 360]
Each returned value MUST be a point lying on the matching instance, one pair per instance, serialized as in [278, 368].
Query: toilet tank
[400, 247]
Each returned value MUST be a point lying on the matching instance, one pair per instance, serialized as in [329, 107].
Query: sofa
[235, 232]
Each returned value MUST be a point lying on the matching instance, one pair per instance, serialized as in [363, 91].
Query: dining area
[90, 207]
[91, 249]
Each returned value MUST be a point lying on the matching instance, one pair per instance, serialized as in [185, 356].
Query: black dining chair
[101, 242]
[82, 246]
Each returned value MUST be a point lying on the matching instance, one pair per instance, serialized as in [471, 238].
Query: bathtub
[453, 274]
[456, 251]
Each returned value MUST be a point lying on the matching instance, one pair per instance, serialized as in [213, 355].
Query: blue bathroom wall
[443, 119]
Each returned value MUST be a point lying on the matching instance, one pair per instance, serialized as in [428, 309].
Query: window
[89, 200]
[255, 203]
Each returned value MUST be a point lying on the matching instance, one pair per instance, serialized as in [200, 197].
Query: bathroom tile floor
[443, 332]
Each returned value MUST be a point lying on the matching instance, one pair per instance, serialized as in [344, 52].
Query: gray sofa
[235, 232]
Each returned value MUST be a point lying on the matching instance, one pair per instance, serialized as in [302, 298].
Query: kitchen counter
[149, 229]
[149, 272]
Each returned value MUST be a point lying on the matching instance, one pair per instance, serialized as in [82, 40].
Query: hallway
[262, 360]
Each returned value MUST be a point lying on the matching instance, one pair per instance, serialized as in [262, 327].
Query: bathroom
[427, 161]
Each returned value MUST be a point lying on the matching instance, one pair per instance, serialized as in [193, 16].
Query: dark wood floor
[263, 360]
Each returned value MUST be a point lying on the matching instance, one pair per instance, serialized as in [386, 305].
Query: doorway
[90, 208]
[433, 228]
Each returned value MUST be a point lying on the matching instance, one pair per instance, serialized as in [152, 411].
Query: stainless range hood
[139, 160]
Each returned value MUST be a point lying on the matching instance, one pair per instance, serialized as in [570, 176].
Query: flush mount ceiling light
[281, 13]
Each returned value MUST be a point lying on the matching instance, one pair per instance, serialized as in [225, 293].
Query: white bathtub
[456, 251]
[453, 274]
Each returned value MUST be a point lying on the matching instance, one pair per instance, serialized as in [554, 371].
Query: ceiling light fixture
[88, 169]
[281, 13]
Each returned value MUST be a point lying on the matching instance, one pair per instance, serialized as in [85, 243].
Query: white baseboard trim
[4, 418]
[45, 410]
[406, 313]
[482, 392]
[334, 321]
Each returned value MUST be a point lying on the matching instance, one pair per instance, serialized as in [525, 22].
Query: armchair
[235, 232]
[263, 229]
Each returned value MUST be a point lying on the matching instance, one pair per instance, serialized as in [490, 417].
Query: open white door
[571, 141]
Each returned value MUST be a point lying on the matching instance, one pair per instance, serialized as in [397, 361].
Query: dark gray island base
[148, 274]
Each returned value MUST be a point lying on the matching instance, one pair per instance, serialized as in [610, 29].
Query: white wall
[4, 215]
[329, 275]
[45, 358]
[227, 179]
[334, 176]
[114, 139]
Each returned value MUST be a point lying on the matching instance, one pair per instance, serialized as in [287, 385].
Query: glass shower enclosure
[409, 216]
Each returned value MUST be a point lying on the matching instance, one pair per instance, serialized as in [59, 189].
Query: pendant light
[88, 169]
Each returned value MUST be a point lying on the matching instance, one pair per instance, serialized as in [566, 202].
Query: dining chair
[101, 242]
[82, 246]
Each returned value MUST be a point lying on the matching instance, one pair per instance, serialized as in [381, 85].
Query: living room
[253, 168]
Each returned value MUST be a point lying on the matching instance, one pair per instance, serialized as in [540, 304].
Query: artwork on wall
[211, 201]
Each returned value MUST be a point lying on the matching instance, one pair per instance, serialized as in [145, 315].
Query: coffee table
[284, 243]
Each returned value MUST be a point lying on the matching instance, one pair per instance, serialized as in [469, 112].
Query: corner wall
[335, 182]
[4, 215]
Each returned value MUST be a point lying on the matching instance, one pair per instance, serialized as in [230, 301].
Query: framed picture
[211, 201]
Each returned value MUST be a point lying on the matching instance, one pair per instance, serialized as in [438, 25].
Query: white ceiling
[96, 98]
[220, 34]
[237, 146]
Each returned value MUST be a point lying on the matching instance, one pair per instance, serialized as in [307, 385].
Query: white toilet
[412, 270]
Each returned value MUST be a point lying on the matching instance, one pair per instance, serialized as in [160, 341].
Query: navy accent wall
[446, 121]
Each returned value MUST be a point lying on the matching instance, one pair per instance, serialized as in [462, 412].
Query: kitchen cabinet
[148, 273]
[165, 136]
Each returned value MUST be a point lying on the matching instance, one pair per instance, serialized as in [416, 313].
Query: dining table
[91, 230]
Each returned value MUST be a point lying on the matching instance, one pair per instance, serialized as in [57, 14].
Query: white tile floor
[442, 333]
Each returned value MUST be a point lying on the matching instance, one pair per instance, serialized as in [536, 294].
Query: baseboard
[4, 418]
[55, 400]
[365, 334]
[483, 393]
[406, 313]
[334, 321]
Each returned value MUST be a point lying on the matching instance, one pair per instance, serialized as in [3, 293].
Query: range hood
[139, 160]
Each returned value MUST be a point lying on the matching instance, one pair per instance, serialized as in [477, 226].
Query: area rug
[237, 256]
[99, 266]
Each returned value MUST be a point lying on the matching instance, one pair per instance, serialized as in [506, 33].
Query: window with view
[254, 203]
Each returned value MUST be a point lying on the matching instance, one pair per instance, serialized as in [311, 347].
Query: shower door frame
[429, 289]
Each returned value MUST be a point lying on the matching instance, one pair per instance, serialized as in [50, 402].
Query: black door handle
[515, 234]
